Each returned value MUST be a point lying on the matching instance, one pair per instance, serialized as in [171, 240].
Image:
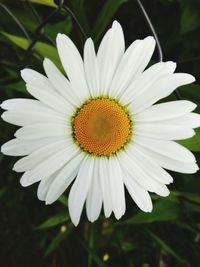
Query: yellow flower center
[102, 127]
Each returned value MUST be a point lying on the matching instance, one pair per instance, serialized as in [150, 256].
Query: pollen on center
[102, 126]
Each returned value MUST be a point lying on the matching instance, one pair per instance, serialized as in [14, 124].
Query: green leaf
[106, 14]
[94, 255]
[45, 50]
[127, 246]
[64, 26]
[18, 86]
[190, 196]
[19, 41]
[163, 210]
[53, 221]
[79, 8]
[191, 92]
[48, 51]
[168, 249]
[189, 19]
[55, 243]
[63, 200]
[193, 143]
[45, 2]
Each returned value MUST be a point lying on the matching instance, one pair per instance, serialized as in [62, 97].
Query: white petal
[49, 166]
[51, 99]
[132, 64]
[94, 197]
[91, 68]
[156, 172]
[23, 104]
[60, 82]
[165, 111]
[40, 87]
[160, 89]
[191, 120]
[144, 81]
[163, 131]
[139, 174]
[42, 130]
[105, 186]
[25, 117]
[138, 194]
[73, 65]
[64, 178]
[39, 155]
[170, 163]
[149, 44]
[34, 78]
[167, 148]
[16, 147]
[109, 54]
[44, 185]
[80, 188]
[29, 105]
[116, 187]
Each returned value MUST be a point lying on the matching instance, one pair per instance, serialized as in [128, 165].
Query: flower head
[100, 129]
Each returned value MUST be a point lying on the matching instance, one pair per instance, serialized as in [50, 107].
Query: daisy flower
[99, 129]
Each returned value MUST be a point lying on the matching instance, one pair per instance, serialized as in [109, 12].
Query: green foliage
[53, 221]
[45, 50]
[169, 249]
[107, 12]
[192, 143]
[170, 206]
[189, 17]
[44, 2]
[33, 234]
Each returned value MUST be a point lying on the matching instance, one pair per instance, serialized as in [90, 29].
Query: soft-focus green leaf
[191, 92]
[44, 2]
[193, 143]
[163, 210]
[63, 200]
[53, 221]
[189, 19]
[58, 239]
[190, 196]
[79, 8]
[20, 41]
[18, 86]
[45, 50]
[48, 51]
[127, 246]
[108, 11]
[64, 26]
[169, 249]
[94, 255]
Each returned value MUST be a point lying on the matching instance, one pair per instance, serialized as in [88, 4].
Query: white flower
[99, 130]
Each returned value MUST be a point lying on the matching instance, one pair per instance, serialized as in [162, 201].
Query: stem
[91, 243]
[68, 10]
[16, 21]
[160, 53]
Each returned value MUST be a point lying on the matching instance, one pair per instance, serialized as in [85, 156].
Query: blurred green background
[32, 234]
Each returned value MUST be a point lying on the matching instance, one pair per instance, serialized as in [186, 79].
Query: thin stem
[68, 10]
[177, 94]
[33, 10]
[160, 53]
[37, 16]
[16, 21]
[159, 48]
[90, 245]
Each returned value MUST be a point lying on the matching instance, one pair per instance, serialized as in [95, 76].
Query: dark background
[32, 234]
